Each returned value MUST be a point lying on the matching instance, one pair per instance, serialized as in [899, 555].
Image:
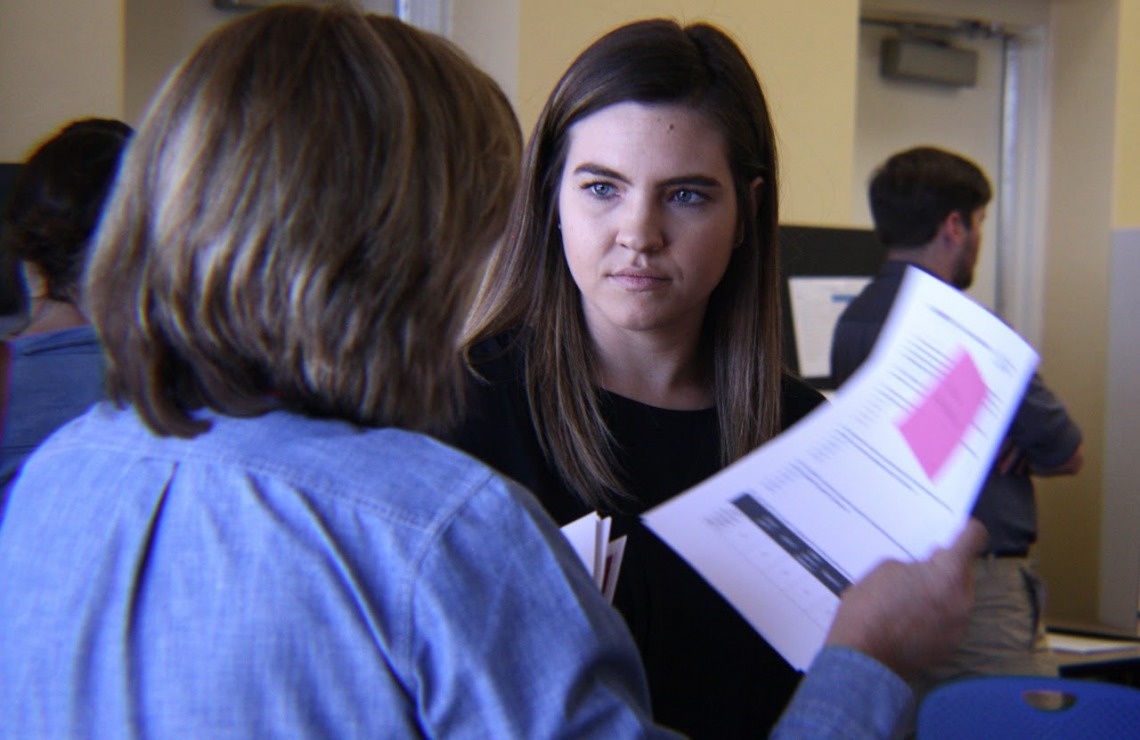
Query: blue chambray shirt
[283, 577]
[54, 377]
[289, 577]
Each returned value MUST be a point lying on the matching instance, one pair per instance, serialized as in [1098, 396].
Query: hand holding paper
[888, 471]
[909, 615]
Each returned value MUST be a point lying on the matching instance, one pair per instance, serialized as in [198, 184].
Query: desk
[1114, 666]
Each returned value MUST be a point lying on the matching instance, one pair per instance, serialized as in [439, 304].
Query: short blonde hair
[299, 222]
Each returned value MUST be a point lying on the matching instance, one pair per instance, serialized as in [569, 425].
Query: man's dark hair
[913, 192]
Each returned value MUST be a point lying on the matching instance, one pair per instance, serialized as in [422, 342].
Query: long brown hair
[652, 61]
[299, 222]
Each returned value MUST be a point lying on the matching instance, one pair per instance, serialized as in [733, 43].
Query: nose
[640, 227]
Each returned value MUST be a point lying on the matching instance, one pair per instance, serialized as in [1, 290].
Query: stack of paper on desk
[1086, 645]
[890, 469]
[590, 538]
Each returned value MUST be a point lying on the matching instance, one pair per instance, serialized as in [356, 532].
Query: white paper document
[590, 538]
[889, 469]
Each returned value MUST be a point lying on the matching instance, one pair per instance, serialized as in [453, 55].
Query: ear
[753, 201]
[953, 229]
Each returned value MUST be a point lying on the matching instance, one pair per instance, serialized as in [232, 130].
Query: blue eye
[601, 189]
[687, 197]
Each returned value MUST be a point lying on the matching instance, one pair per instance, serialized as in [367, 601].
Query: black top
[710, 674]
[1041, 428]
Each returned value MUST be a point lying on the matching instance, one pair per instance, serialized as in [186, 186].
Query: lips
[634, 279]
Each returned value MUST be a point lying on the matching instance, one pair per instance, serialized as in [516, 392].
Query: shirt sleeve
[845, 694]
[1042, 428]
[511, 636]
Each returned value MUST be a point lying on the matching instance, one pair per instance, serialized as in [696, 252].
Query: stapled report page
[889, 469]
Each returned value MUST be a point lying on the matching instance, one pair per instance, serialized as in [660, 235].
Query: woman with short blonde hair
[206, 284]
[256, 540]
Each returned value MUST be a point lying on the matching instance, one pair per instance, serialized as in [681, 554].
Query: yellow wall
[804, 52]
[1126, 206]
[59, 60]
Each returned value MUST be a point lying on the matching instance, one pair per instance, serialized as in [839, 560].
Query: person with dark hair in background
[928, 205]
[626, 341]
[55, 365]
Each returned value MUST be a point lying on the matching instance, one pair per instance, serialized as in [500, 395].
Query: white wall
[1017, 12]
[893, 115]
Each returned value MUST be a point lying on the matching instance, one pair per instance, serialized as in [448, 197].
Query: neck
[670, 375]
[47, 315]
[926, 257]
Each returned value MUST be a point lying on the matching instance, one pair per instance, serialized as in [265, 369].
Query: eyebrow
[597, 170]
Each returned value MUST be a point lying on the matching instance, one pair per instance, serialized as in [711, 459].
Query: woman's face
[648, 217]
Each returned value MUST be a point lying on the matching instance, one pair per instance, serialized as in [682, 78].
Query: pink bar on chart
[940, 420]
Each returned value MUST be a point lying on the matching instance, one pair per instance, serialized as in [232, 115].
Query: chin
[639, 322]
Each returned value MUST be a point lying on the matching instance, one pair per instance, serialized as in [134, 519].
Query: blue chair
[1011, 707]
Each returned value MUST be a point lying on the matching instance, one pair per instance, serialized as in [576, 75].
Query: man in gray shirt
[928, 205]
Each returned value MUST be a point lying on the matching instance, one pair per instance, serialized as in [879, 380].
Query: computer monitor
[824, 268]
[11, 282]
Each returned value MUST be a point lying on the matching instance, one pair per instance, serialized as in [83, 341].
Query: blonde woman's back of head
[300, 221]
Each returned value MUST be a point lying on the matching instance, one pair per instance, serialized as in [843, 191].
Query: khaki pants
[1006, 631]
